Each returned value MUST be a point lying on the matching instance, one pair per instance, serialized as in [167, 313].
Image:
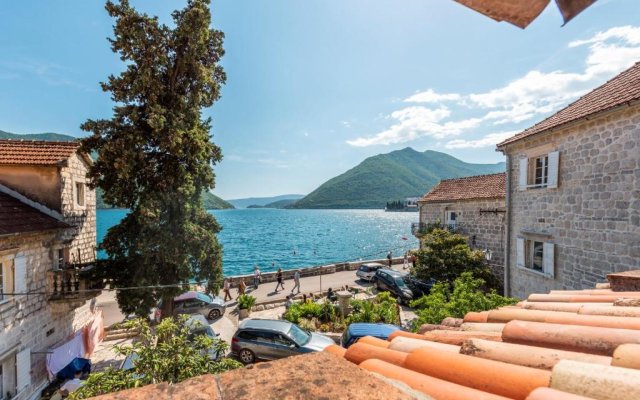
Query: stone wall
[83, 245]
[593, 216]
[31, 321]
[488, 228]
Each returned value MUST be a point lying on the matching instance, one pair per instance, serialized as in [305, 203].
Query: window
[8, 377]
[80, 194]
[451, 219]
[539, 172]
[7, 279]
[536, 255]
[61, 257]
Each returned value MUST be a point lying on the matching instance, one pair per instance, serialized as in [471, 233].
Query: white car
[368, 271]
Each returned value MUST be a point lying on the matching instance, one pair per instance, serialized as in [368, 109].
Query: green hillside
[388, 177]
[210, 200]
[55, 137]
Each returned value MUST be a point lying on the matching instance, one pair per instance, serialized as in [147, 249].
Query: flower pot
[244, 313]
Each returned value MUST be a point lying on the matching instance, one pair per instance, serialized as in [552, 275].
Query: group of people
[257, 278]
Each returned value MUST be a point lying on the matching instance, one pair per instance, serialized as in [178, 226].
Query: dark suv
[393, 281]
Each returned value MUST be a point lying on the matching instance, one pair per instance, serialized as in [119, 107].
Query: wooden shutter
[20, 274]
[548, 259]
[23, 369]
[552, 171]
[520, 252]
[522, 173]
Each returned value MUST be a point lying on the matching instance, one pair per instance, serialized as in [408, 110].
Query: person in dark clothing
[279, 278]
[389, 257]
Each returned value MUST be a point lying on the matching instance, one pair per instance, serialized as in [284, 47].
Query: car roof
[372, 265]
[368, 329]
[392, 272]
[266, 324]
[192, 295]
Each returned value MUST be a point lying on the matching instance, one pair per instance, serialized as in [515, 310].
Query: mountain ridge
[262, 201]
[389, 177]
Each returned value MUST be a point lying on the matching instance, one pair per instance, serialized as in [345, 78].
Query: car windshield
[204, 297]
[400, 282]
[300, 336]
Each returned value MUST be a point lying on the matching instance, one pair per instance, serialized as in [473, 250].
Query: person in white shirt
[296, 281]
[256, 276]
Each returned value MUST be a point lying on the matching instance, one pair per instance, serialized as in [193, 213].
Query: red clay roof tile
[35, 152]
[469, 188]
[621, 89]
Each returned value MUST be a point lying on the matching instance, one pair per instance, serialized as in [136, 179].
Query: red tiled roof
[619, 90]
[35, 152]
[471, 187]
[568, 344]
[18, 217]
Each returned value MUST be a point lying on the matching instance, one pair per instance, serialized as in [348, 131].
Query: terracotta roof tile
[35, 152]
[18, 217]
[622, 89]
[472, 187]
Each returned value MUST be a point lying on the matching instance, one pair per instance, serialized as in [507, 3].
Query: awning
[522, 12]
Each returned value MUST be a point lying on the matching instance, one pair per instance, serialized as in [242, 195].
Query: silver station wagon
[271, 339]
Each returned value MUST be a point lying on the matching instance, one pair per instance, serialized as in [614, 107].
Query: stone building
[47, 241]
[573, 192]
[473, 206]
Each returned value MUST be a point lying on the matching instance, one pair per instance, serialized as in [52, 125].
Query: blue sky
[315, 87]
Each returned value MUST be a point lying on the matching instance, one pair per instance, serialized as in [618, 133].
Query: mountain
[276, 204]
[392, 176]
[263, 201]
[211, 201]
[55, 137]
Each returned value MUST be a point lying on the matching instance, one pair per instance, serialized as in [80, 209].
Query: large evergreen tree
[155, 156]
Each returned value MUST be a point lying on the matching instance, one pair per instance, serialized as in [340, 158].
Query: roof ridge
[471, 176]
[75, 142]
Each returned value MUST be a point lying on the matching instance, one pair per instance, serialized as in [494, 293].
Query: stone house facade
[473, 206]
[47, 232]
[573, 192]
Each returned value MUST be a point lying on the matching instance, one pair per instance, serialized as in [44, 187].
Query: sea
[290, 239]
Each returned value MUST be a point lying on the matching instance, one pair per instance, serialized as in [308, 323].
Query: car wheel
[246, 356]
[214, 314]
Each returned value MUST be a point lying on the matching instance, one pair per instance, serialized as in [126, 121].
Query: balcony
[75, 282]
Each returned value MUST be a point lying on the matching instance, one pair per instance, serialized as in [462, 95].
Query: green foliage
[246, 301]
[396, 175]
[445, 256]
[209, 201]
[395, 205]
[298, 311]
[154, 156]
[170, 354]
[382, 308]
[467, 295]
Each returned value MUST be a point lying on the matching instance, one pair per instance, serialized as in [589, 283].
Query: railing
[421, 228]
[72, 282]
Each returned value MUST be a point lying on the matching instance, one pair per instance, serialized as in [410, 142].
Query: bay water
[273, 238]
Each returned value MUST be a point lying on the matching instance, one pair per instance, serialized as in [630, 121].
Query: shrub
[169, 355]
[382, 308]
[246, 302]
[467, 295]
[303, 310]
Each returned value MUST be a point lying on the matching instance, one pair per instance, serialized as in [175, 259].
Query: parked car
[355, 331]
[392, 281]
[267, 339]
[418, 288]
[194, 303]
[198, 325]
[368, 271]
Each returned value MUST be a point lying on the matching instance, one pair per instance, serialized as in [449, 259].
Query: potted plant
[245, 303]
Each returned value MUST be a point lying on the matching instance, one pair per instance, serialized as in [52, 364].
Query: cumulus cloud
[486, 141]
[533, 95]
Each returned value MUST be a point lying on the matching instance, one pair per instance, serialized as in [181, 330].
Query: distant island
[210, 200]
[388, 177]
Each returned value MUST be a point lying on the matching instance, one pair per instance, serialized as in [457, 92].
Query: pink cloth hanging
[93, 333]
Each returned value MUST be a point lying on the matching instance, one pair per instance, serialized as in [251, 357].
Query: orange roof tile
[623, 88]
[35, 152]
[471, 187]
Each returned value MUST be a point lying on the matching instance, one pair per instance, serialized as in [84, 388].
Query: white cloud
[429, 96]
[486, 141]
[533, 95]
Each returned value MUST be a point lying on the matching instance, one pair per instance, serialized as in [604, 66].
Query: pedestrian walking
[226, 286]
[257, 275]
[241, 287]
[413, 260]
[389, 257]
[296, 281]
[279, 278]
[405, 263]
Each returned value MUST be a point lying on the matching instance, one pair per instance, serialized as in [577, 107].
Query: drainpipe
[507, 247]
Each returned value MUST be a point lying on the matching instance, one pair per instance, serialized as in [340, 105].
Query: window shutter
[23, 369]
[548, 261]
[552, 172]
[20, 269]
[522, 173]
[520, 252]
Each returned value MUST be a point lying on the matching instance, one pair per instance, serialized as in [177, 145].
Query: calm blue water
[266, 236]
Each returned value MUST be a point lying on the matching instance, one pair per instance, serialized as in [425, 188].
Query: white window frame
[76, 204]
[525, 248]
[447, 217]
[528, 169]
